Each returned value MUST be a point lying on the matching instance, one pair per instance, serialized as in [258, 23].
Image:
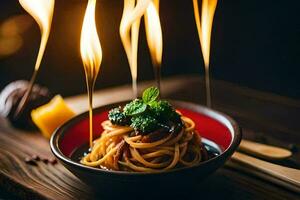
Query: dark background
[254, 44]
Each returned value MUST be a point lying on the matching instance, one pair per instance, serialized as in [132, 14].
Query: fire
[42, 12]
[204, 32]
[156, 3]
[91, 54]
[129, 32]
[154, 37]
[154, 33]
[90, 47]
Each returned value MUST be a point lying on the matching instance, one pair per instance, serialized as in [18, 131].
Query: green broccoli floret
[146, 114]
[135, 107]
[144, 123]
[161, 108]
[116, 116]
[164, 111]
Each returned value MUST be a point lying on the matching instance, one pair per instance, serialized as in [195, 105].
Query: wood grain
[287, 175]
[42, 180]
[265, 117]
[265, 151]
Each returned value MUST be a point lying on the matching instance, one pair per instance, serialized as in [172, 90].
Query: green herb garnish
[144, 123]
[164, 111]
[150, 95]
[135, 107]
[116, 116]
[146, 114]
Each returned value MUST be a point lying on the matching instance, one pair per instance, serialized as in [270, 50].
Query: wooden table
[264, 117]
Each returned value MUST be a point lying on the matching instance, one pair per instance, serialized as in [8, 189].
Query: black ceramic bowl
[218, 131]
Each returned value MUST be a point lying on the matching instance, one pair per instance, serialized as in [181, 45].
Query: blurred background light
[11, 31]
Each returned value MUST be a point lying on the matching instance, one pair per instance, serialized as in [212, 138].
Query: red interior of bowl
[208, 128]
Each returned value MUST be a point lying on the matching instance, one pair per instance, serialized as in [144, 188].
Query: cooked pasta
[122, 148]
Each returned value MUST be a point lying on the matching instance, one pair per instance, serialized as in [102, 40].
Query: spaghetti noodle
[123, 148]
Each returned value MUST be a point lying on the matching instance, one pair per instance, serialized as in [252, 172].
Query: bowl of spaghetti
[145, 143]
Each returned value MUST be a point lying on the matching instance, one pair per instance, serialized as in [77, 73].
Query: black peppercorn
[30, 161]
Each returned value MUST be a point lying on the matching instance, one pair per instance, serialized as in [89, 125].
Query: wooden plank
[41, 180]
[264, 117]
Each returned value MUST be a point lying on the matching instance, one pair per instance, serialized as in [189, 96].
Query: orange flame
[130, 23]
[154, 33]
[42, 12]
[91, 54]
[204, 29]
[204, 32]
[90, 47]
[154, 37]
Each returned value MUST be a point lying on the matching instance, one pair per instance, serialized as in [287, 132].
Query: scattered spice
[45, 160]
[30, 161]
[53, 161]
[35, 157]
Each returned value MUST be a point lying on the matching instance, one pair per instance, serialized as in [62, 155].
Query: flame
[156, 3]
[204, 32]
[90, 47]
[91, 54]
[130, 23]
[42, 12]
[154, 33]
[204, 29]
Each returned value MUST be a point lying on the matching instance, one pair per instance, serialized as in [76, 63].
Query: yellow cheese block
[51, 115]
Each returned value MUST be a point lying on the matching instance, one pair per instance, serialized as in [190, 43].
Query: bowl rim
[224, 119]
